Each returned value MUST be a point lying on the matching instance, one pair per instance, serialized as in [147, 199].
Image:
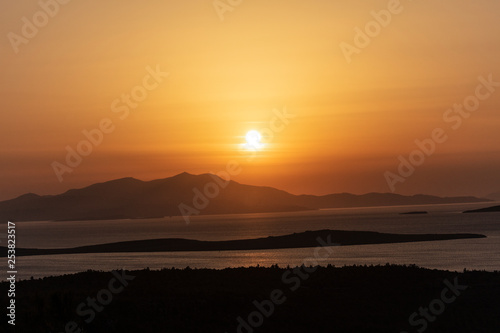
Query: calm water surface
[452, 255]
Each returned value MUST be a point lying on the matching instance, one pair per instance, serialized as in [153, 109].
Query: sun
[254, 138]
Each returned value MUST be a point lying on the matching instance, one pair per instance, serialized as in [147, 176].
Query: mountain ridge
[204, 194]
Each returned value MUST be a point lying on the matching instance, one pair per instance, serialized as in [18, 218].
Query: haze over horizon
[349, 121]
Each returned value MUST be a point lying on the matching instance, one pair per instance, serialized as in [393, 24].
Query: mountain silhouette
[133, 198]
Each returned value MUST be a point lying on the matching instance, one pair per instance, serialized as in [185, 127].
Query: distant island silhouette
[296, 240]
[484, 210]
[494, 196]
[129, 198]
[414, 213]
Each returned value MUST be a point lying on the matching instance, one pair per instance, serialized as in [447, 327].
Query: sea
[453, 255]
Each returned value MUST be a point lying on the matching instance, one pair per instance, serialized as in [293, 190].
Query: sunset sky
[351, 119]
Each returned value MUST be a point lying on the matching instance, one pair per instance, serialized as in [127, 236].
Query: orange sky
[351, 120]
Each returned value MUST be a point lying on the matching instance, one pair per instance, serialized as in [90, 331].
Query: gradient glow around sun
[254, 139]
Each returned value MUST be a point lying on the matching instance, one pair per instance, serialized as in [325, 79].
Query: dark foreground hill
[296, 240]
[187, 194]
[264, 300]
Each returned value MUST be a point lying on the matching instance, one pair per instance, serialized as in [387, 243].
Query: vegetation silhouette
[348, 299]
